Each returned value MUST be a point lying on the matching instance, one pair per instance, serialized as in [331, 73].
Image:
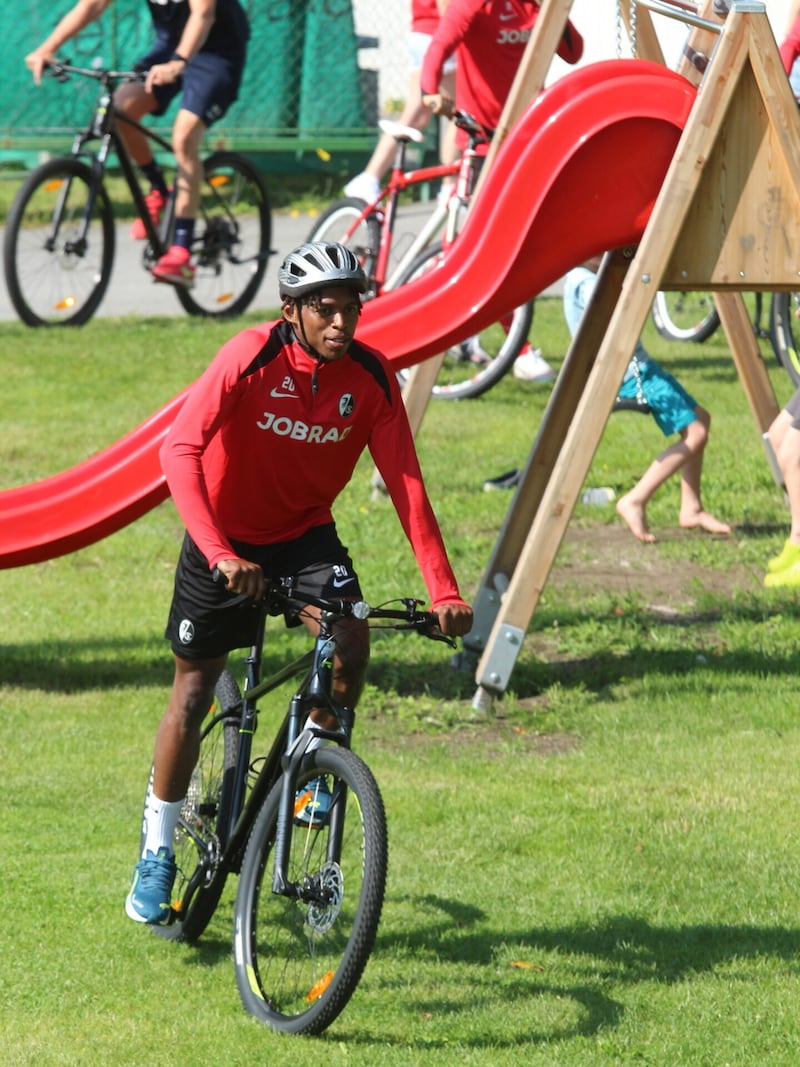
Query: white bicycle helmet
[318, 264]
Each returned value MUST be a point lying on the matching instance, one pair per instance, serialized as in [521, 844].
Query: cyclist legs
[133, 101]
[187, 135]
[178, 736]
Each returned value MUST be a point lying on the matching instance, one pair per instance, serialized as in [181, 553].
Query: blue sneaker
[151, 888]
[312, 805]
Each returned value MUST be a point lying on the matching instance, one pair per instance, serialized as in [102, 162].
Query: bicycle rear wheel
[298, 961]
[58, 251]
[784, 332]
[342, 222]
[460, 376]
[685, 316]
[205, 818]
[232, 238]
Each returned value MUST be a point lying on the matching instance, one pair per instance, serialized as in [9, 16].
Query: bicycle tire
[232, 239]
[297, 964]
[690, 316]
[459, 379]
[201, 834]
[784, 328]
[52, 279]
[340, 222]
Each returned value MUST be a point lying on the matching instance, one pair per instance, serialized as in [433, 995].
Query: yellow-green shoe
[787, 578]
[789, 554]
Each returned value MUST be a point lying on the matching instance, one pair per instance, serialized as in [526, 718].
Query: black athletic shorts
[207, 620]
[208, 86]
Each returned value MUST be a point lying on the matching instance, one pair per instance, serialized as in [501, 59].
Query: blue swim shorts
[672, 407]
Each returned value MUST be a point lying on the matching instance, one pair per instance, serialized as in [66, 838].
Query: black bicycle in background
[692, 316]
[59, 243]
[310, 891]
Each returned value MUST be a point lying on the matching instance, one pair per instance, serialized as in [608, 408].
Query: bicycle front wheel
[299, 958]
[59, 245]
[342, 222]
[784, 332]
[205, 819]
[685, 316]
[233, 233]
[478, 362]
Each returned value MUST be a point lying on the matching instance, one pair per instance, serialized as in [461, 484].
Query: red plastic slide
[578, 174]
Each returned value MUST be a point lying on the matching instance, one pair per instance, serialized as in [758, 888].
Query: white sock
[160, 819]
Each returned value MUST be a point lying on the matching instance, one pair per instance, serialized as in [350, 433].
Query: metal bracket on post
[485, 609]
[494, 678]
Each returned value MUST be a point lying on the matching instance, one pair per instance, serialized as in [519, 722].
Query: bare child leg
[693, 515]
[685, 455]
[632, 508]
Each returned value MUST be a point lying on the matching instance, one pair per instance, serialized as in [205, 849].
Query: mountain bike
[58, 249]
[693, 317]
[309, 897]
[370, 231]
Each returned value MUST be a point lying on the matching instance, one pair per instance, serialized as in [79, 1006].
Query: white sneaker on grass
[531, 366]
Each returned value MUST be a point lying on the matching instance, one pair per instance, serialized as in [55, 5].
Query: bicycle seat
[400, 132]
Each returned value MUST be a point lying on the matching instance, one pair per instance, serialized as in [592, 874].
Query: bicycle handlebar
[62, 71]
[470, 125]
[281, 595]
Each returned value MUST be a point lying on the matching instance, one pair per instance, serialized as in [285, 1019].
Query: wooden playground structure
[725, 220]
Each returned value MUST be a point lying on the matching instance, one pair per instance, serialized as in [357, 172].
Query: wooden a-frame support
[725, 220]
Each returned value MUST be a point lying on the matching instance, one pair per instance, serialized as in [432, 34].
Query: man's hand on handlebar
[455, 619]
[242, 577]
[439, 103]
[164, 74]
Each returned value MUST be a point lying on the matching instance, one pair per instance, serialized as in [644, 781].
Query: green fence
[305, 95]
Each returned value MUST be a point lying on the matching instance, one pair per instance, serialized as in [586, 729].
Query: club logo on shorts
[347, 404]
[186, 631]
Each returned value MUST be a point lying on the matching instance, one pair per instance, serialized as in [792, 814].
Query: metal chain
[619, 28]
[633, 28]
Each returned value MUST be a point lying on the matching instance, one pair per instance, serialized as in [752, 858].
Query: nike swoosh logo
[339, 582]
[505, 18]
[278, 395]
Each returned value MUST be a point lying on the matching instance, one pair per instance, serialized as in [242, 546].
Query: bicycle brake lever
[56, 70]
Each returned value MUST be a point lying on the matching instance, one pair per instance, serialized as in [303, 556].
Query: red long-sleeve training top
[256, 455]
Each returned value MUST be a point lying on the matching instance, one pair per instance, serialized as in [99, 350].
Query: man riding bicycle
[266, 440]
[199, 52]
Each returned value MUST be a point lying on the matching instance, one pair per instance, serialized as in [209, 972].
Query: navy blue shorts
[209, 84]
[207, 620]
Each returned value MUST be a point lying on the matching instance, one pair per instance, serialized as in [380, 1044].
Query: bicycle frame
[444, 215]
[287, 751]
[103, 127]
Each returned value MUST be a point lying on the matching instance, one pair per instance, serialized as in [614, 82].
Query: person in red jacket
[488, 39]
[366, 185]
[265, 441]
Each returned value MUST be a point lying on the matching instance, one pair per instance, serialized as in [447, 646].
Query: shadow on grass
[79, 666]
[113, 663]
[621, 951]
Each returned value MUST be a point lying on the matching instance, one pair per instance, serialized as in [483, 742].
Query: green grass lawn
[603, 871]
